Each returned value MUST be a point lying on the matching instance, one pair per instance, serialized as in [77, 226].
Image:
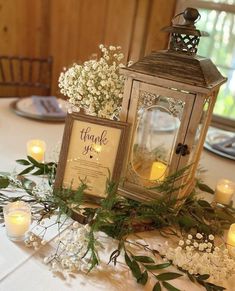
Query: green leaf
[191, 277]
[128, 260]
[113, 257]
[168, 276]
[187, 222]
[203, 277]
[157, 267]
[170, 287]
[4, 182]
[143, 259]
[26, 171]
[23, 162]
[157, 287]
[143, 279]
[205, 188]
[212, 287]
[204, 203]
[34, 162]
[135, 268]
[38, 172]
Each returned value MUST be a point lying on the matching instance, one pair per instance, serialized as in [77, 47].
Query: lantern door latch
[182, 149]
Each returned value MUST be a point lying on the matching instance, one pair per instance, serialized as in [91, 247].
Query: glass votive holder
[36, 149]
[224, 191]
[17, 217]
[231, 240]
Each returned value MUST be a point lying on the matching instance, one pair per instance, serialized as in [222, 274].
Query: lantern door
[160, 118]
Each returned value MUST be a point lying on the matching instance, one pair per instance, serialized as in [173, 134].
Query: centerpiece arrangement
[157, 190]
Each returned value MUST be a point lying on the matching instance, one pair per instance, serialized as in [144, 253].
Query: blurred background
[70, 31]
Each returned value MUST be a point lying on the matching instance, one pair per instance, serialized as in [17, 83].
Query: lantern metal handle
[182, 149]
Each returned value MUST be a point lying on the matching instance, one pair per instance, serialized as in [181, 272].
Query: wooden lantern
[168, 99]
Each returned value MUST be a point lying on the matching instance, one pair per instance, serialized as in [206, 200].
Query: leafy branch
[118, 217]
[200, 279]
[33, 167]
[142, 266]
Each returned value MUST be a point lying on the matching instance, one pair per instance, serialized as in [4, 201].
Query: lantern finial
[185, 37]
[191, 15]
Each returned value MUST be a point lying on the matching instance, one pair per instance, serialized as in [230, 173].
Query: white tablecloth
[24, 270]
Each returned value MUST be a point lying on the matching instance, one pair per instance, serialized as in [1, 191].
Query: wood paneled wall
[71, 30]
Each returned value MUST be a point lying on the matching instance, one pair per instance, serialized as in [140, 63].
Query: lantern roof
[180, 63]
[192, 70]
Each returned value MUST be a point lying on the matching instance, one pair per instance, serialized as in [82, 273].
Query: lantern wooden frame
[178, 74]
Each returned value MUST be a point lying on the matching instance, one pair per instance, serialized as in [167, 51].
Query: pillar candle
[224, 191]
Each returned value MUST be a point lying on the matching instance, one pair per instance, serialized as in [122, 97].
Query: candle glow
[17, 216]
[224, 191]
[158, 171]
[36, 149]
[231, 240]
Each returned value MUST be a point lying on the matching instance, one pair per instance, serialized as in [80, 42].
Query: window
[218, 19]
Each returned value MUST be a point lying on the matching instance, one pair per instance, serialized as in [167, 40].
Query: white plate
[25, 107]
[215, 135]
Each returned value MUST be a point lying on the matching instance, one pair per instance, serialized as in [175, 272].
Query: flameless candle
[224, 191]
[231, 240]
[36, 149]
[17, 216]
[158, 171]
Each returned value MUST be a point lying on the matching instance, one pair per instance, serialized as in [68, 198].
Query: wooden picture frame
[92, 149]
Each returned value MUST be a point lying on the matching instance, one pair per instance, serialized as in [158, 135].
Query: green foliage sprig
[35, 168]
[119, 217]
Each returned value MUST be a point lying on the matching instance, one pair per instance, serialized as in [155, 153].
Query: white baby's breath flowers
[181, 243]
[211, 237]
[70, 255]
[96, 86]
[201, 257]
[190, 236]
[199, 236]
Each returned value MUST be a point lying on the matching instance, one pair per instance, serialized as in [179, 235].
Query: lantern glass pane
[198, 137]
[158, 123]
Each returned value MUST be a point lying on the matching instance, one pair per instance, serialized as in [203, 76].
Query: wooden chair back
[25, 76]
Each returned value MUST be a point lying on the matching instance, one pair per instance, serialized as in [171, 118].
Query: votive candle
[224, 191]
[231, 240]
[17, 217]
[158, 171]
[36, 149]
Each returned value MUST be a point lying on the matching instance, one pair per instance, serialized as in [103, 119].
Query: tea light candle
[36, 149]
[231, 240]
[158, 171]
[17, 216]
[224, 191]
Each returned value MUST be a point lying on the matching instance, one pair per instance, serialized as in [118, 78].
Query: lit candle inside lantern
[158, 171]
[17, 216]
[36, 149]
[224, 191]
[231, 240]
